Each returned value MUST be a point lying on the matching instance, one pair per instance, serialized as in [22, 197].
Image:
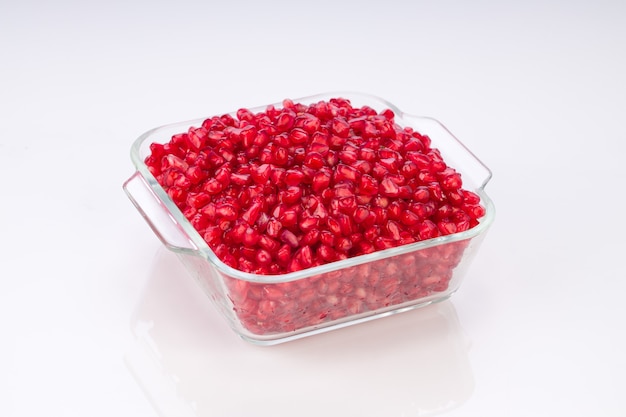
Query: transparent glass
[269, 309]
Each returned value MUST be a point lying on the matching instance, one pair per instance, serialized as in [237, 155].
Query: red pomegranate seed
[427, 230]
[263, 257]
[285, 120]
[389, 188]
[283, 255]
[343, 244]
[227, 211]
[298, 136]
[251, 215]
[340, 127]
[320, 182]
[288, 217]
[288, 237]
[268, 243]
[308, 122]
[346, 173]
[311, 237]
[274, 227]
[326, 253]
[409, 218]
[250, 237]
[261, 174]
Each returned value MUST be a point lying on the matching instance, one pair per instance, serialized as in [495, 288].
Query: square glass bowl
[269, 309]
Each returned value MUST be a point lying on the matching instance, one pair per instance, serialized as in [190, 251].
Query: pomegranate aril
[327, 237]
[308, 122]
[227, 211]
[348, 157]
[368, 185]
[320, 182]
[427, 230]
[346, 173]
[393, 229]
[274, 226]
[450, 180]
[250, 237]
[283, 255]
[345, 224]
[293, 177]
[361, 214]
[173, 161]
[475, 211]
[285, 120]
[382, 243]
[421, 194]
[326, 253]
[309, 223]
[288, 237]
[311, 237]
[291, 195]
[263, 257]
[340, 127]
[389, 188]
[304, 256]
[198, 200]
[288, 217]
[343, 244]
[331, 158]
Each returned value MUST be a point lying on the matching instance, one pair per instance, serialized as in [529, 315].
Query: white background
[97, 319]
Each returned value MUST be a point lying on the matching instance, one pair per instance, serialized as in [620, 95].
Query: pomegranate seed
[326, 253]
[451, 180]
[298, 136]
[289, 238]
[347, 205]
[427, 230]
[273, 227]
[361, 214]
[227, 211]
[251, 215]
[308, 122]
[309, 223]
[250, 237]
[344, 244]
[291, 195]
[263, 257]
[348, 157]
[294, 177]
[346, 173]
[311, 237]
[446, 227]
[288, 217]
[320, 182]
[389, 188]
[285, 120]
[283, 255]
[305, 256]
[213, 186]
[261, 174]
[409, 218]
[340, 127]
[198, 200]
[327, 238]
[268, 243]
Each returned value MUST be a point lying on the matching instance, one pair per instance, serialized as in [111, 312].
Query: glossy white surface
[98, 319]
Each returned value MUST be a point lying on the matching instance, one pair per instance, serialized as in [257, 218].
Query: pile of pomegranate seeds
[304, 185]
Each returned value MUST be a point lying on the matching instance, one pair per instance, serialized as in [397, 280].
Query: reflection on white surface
[189, 363]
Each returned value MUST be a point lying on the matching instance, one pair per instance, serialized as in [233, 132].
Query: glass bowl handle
[157, 215]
